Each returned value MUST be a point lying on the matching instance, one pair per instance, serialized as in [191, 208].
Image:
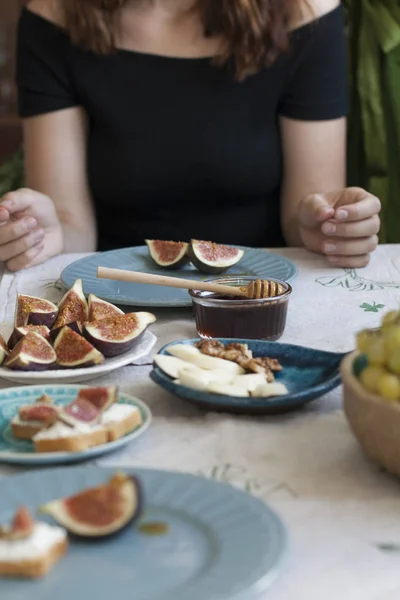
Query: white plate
[143, 348]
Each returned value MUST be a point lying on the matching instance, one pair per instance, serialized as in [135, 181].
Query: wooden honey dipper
[255, 290]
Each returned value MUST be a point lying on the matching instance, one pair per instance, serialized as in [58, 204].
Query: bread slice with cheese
[29, 549]
[120, 419]
[61, 437]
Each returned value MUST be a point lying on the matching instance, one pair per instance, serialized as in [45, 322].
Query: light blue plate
[256, 262]
[307, 373]
[22, 452]
[222, 543]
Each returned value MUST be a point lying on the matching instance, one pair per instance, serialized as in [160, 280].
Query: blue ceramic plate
[221, 543]
[256, 262]
[307, 373]
[22, 452]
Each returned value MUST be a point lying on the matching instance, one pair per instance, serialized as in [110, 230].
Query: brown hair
[254, 32]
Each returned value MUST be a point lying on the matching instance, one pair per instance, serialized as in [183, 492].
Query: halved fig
[209, 257]
[72, 310]
[73, 351]
[19, 333]
[99, 511]
[118, 334]
[30, 310]
[80, 410]
[39, 411]
[101, 397]
[32, 353]
[100, 309]
[21, 527]
[3, 350]
[168, 254]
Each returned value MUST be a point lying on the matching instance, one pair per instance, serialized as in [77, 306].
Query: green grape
[390, 318]
[394, 363]
[392, 339]
[389, 386]
[370, 378]
[363, 341]
[376, 351]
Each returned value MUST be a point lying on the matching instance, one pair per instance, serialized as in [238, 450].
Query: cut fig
[168, 254]
[32, 353]
[20, 332]
[118, 334]
[209, 257]
[80, 411]
[100, 309]
[39, 411]
[100, 511]
[21, 527]
[74, 351]
[72, 310]
[30, 310]
[3, 350]
[101, 397]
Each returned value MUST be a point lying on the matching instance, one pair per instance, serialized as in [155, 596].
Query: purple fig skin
[206, 268]
[106, 533]
[106, 334]
[21, 359]
[75, 326]
[112, 349]
[176, 264]
[17, 336]
[35, 317]
[47, 319]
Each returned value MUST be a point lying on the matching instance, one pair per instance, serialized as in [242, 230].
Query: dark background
[10, 131]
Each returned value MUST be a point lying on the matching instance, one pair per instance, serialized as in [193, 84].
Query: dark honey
[236, 317]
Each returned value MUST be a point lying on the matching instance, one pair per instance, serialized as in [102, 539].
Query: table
[341, 512]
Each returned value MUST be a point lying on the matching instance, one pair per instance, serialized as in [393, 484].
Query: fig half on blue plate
[99, 511]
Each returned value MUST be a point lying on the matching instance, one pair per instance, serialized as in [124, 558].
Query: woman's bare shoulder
[310, 10]
[48, 9]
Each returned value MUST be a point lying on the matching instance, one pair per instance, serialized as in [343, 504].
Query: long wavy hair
[253, 32]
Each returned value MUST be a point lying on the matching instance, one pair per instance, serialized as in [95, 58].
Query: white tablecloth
[341, 512]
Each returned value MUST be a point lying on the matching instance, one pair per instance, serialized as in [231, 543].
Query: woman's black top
[177, 148]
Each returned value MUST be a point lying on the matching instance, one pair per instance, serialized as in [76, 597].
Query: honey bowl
[238, 317]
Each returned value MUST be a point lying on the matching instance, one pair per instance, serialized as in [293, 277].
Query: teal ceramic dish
[256, 263]
[307, 373]
[20, 452]
[221, 543]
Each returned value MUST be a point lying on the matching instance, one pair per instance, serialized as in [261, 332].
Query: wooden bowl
[374, 422]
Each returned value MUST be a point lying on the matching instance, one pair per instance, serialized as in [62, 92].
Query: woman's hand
[30, 231]
[342, 225]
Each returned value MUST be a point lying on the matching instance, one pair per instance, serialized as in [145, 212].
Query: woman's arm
[55, 162]
[314, 155]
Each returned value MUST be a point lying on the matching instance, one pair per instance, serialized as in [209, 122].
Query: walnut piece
[240, 354]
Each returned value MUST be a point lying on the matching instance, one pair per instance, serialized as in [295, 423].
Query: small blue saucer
[307, 373]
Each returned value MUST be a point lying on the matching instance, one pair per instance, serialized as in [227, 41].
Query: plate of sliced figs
[195, 260]
[76, 340]
[245, 376]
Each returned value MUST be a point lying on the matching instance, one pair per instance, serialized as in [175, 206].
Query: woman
[175, 119]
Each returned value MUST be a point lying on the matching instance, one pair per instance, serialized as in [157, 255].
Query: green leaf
[372, 307]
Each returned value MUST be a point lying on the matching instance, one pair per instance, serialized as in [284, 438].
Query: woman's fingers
[350, 247]
[364, 208]
[350, 262]
[26, 259]
[358, 229]
[13, 230]
[21, 245]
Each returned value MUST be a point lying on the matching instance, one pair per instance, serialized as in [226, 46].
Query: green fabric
[374, 121]
[12, 174]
